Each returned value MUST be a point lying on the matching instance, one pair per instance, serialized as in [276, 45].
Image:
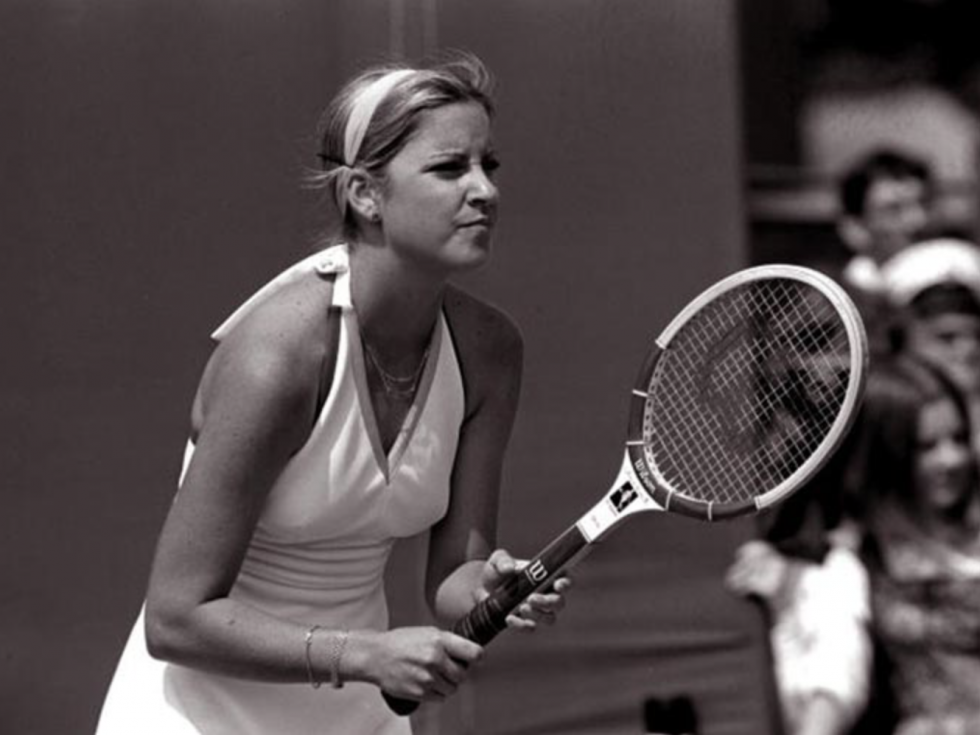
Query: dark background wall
[152, 157]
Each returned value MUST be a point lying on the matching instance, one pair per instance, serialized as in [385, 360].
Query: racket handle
[403, 707]
[489, 618]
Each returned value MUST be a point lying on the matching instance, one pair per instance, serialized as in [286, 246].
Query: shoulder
[488, 342]
[277, 349]
[482, 331]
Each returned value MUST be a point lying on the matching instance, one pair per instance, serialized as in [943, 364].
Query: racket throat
[626, 497]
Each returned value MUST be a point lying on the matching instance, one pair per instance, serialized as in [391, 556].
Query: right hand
[423, 663]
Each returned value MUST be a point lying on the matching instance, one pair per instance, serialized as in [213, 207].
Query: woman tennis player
[356, 399]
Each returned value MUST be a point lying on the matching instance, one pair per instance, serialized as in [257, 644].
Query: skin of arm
[254, 410]
[463, 566]
[823, 716]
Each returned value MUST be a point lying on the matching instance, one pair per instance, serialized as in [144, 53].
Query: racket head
[747, 392]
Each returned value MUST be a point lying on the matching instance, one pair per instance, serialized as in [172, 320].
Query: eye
[449, 168]
[491, 164]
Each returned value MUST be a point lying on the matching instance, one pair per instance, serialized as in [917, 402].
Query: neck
[397, 307]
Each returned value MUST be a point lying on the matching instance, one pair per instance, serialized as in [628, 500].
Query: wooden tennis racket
[741, 399]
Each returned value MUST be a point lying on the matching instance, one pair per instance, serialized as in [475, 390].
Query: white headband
[363, 110]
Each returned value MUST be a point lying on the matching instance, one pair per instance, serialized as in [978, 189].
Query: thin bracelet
[314, 682]
[337, 653]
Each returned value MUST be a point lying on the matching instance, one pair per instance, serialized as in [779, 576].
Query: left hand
[539, 608]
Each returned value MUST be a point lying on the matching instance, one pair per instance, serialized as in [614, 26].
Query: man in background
[885, 206]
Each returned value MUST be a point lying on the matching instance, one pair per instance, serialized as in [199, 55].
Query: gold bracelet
[337, 653]
[314, 682]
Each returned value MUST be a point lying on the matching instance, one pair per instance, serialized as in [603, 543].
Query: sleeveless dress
[319, 550]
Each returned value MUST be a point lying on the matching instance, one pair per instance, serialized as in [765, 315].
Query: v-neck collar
[336, 261]
[389, 462]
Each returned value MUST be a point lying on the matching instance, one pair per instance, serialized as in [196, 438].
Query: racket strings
[746, 391]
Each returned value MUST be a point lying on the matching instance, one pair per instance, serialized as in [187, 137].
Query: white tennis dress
[319, 550]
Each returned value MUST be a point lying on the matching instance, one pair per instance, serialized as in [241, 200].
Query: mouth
[484, 222]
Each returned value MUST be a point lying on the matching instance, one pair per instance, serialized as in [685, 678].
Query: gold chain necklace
[396, 386]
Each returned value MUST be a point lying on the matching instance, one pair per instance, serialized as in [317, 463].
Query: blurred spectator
[884, 635]
[821, 652]
[934, 290]
[885, 205]
[920, 544]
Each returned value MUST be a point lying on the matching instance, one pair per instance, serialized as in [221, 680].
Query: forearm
[823, 715]
[458, 592]
[228, 637]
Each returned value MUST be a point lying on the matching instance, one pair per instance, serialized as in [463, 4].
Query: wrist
[334, 656]
[360, 656]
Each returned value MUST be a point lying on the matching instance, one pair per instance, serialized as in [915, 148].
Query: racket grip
[489, 618]
[403, 707]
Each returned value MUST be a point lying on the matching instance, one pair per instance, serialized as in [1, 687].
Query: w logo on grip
[536, 572]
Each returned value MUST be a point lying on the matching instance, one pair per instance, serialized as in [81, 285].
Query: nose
[481, 190]
[916, 220]
[952, 454]
[966, 347]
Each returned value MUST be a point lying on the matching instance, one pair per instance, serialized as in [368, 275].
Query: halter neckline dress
[320, 547]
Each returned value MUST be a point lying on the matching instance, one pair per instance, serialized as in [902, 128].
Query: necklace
[396, 386]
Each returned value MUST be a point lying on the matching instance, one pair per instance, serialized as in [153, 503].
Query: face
[896, 211]
[951, 341]
[943, 462]
[439, 201]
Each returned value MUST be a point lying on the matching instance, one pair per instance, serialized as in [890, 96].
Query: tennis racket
[741, 399]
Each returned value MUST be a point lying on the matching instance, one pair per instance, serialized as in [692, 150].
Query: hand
[758, 570]
[423, 663]
[539, 608]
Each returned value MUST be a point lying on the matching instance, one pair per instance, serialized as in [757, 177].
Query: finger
[546, 602]
[462, 650]
[502, 564]
[526, 617]
[521, 623]
[455, 672]
[543, 617]
[561, 584]
[495, 569]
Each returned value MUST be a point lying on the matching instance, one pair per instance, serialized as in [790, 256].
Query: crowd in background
[871, 576]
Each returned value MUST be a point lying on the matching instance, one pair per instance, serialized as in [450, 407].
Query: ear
[854, 234]
[364, 195]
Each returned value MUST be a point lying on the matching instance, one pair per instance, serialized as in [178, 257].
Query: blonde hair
[384, 104]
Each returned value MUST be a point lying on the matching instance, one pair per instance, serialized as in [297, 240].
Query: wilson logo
[536, 572]
[622, 497]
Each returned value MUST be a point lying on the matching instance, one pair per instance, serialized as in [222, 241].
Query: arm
[463, 566]
[253, 411]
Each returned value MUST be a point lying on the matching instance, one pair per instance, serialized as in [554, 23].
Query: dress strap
[332, 261]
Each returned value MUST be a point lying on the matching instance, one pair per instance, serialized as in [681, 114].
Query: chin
[473, 254]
